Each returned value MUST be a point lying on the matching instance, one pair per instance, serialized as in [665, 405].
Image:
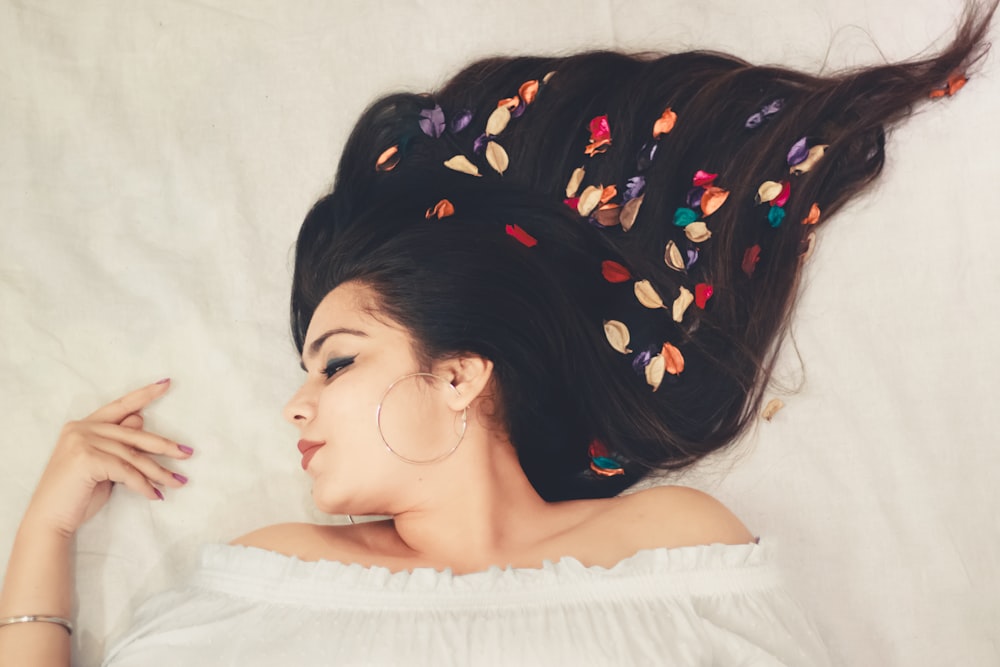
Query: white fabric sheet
[158, 158]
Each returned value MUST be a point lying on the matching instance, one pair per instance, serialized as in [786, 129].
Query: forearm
[39, 581]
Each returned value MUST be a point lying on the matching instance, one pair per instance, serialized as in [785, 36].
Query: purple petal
[692, 254]
[754, 120]
[461, 121]
[773, 107]
[694, 197]
[640, 362]
[799, 152]
[633, 188]
[518, 110]
[479, 145]
[432, 121]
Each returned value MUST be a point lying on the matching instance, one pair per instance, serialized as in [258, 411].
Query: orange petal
[712, 199]
[388, 160]
[813, 216]
[664, 123]
[528, 90]
[955, 83]
[442, 209]
[509, 102]
[609, 193]
[597, 147]
[673, 358]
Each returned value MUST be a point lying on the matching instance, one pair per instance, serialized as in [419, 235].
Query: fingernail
[158, 492]
[163, 381]
[185, 449]
[180, 478]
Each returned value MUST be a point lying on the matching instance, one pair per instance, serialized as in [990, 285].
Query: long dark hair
[546, 288]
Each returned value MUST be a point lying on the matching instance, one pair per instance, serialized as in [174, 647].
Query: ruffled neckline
[249, 571]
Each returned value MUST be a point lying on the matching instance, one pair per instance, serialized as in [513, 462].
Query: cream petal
[681, 303]
[673, 257]
[655, 370]
[497, 157]
[629, 211]
[647, 295]
[697, 232]
[767, 191]
[810, 247]
[589, 199]
[462, 164]
[815, 154]
[772, 407]
[618, 335]
[498, 121]
[574, 182]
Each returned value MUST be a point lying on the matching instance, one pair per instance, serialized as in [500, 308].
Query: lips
[308, 449]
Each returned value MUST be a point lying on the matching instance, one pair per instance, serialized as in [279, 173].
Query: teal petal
[775, 215]
[606, 463]
[684, 216]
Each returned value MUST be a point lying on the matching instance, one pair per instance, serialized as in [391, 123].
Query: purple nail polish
[158, 493]
[180, 478]
[185, 449]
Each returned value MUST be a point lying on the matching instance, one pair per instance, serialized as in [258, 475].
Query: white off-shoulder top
[692, 606]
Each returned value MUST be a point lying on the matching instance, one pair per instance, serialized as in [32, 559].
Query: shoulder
[293, 539]
[674, 516]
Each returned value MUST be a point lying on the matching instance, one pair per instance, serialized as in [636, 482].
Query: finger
[113, 468]
[117, 410]
[143, 440]
[134, 421]
[151, 470]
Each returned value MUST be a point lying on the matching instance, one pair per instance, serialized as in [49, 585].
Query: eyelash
[335, 365]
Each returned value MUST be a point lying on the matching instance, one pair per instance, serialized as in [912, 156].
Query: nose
[301, 408]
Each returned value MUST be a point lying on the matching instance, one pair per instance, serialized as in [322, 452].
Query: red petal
[597, 449]
[703, 178]
[521, 235]
[572, 202]
[702, 293]
[599, 129]
[786, 189]
[750, 259]
[614, 272]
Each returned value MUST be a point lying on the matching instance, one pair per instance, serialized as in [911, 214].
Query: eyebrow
[318, 343]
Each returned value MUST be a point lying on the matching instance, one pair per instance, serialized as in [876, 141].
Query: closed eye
[335, 365]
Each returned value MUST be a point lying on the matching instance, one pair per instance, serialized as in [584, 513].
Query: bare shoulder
[672, 516]
[304, 540]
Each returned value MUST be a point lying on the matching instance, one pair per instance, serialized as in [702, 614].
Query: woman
[582, 346]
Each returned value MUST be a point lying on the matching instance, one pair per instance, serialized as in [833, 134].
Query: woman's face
[353, 472]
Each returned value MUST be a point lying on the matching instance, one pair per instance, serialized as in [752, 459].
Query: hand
[92, 454]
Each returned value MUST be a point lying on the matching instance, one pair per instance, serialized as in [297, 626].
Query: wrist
[37, 527]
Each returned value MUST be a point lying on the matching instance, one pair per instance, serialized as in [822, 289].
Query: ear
[470, 374]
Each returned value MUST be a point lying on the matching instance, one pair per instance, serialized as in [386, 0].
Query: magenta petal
[786, 189]
[461, 121]
[703, 178]
[694, 197]
[799, 152]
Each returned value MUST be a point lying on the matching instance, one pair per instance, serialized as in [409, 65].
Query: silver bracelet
[58, 620]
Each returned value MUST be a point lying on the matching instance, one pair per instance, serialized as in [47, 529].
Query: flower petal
[703, 178]
[798, 152]
[693, 198]
[640, 361]
[497, 157]
[647, 295]
[815, 153]
[589, 199]
[521, 235]
[673, 358]
[702, 293]
[813, 216]
[510, 103]
[634, 187]
[608, 193]
[654, 371]
[771, 408]
[432, 121]
[773, 107]
[786, 189]
[697, 232]
[462, 164]
[600, 129]
[497, 121]
[630, 211]
[614, 272]
[388, 160]
[574, 182]
[750, 259]
[684, 217]
[545, 79]
[810, 245]
[692, 254]
[528, 91]
[681, 303]
[572, 202]
[672, 257]
[461, 121]
[442, 209]
[754, 120]
[664, 123]
[608, 215]
[597, 147]
[712, 199]
[767, 191]
[775, 216]
[617, 334]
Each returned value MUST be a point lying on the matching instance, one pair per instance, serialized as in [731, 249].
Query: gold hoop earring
[378, 422]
